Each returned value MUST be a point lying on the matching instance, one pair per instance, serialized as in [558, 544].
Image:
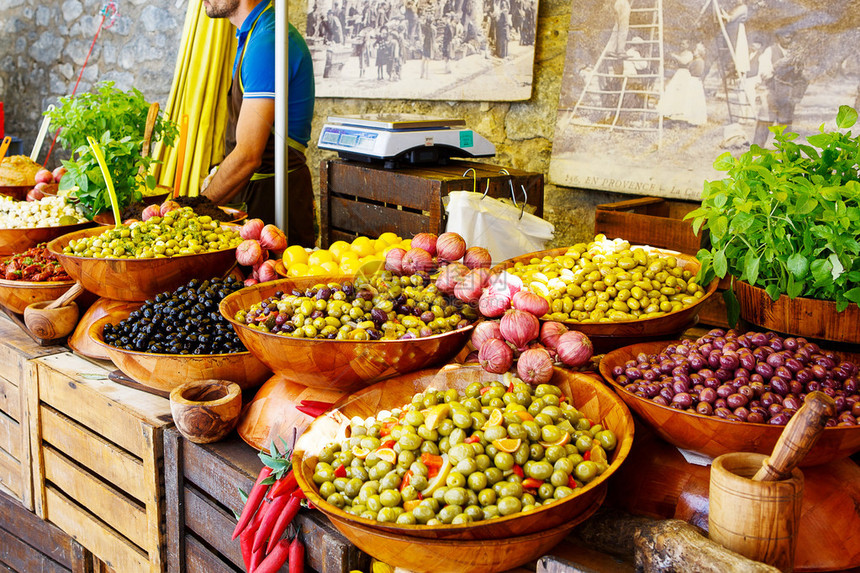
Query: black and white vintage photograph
[654, 91]
[423, 49]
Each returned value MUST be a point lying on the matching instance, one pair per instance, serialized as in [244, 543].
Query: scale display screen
[353, 139]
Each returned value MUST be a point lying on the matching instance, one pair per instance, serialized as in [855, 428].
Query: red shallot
[530, 302]
[493, 305]
[417, 260]
[450, 275]
[534, 366]
[505, 283]
[251, 229]
[574, 349]
[271, 237]
[477, 257]
[249, 253]
[485, 330]
[470, 287]
[450, 247]
[519, 328]
[426, 241]
[550, 332]
[394, 260]
[496, 356]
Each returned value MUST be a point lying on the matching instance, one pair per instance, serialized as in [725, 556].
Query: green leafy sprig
[788, 220]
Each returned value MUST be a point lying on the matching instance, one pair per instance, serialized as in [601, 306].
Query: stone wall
[49, 41]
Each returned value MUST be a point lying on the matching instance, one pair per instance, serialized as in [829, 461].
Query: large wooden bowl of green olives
[135, 262]
[346, 334]
[490, 456]
[614, 292]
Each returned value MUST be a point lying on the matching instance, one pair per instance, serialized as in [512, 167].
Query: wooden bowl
[138, 279]
[17, 192]
[611, 335]
[338, 364]
[164, 191]
[166, 371]
[14, 241]
[807, 317]
[712, 435]
[205, 411]
[106, 218]
[590, 397]
[53, 323]
[423, 555]
[18, 295]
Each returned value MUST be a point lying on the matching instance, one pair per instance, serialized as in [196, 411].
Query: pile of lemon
[363, 254]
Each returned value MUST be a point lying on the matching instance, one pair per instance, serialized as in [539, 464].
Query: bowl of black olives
[734, 392]
[180, 336]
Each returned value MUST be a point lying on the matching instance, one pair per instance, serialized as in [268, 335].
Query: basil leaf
[797, 265]
[751, 264]
[846, 117]
[720, 264]
[820, 269]
[733, 307]
[772, 291]
[794, 287]
[853, 295]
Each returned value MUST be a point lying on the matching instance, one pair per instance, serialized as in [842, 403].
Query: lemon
[331, 267]
[315, 270]
[337, 249]
[389, 238]
[297, 270]
[295, 254]
[363, 246]
[319, 257]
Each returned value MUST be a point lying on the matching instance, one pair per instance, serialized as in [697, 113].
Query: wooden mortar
[755, 500]
[54, 318]
[206, 411]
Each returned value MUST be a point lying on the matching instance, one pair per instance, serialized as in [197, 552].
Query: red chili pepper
[256, 559]
[472, 439]
[246, 539]
[587, 455]
[532, 483]
[340, 472]
[297, 556]
[518, 470]
[387, 444]
[387, 427]
[298, 494]
[276, 558]
[258, 492]
[485, 389]
[571, 483]
[273, 511]
[317, 404]
[283, 486]
[286, 517]
[312, 412]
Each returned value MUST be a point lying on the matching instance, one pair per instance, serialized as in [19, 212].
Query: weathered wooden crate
[660, 223]
[201, 484]
[367, 199]
[30, 545]
[16, 349]
[97, 451]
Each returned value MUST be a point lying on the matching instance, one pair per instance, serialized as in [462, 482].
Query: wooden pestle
[67, 297]
[798, 437]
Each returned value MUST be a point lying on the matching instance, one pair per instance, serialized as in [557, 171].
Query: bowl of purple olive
[734, 392]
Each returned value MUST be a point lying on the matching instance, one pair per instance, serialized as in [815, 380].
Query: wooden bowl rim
[35, 285]
[619, 455]
[712, 286]
[784, 298]
[232, 389]
[237, 213]
[97, 335]
[276, 336]
[625, 394]
[99, 229]
[22, 229]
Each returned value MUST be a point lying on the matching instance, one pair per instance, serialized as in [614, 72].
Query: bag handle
[513, 193]
[475, 181]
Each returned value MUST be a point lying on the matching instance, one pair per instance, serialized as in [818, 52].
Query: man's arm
[252, 131]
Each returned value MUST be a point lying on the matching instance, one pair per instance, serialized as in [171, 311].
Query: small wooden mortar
[205, 411]
[755, 500]
[56, 318]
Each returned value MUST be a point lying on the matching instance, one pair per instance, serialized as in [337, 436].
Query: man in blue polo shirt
[246, 175]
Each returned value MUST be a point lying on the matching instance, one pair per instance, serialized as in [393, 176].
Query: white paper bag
[503, 229]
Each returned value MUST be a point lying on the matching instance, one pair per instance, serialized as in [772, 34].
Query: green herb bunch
[788, 220]
[117, 119]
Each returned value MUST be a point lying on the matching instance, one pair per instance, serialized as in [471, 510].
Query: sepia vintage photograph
[423, 49]
[655, 90]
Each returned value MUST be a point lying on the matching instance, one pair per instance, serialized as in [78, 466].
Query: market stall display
[713, 435]
[591, 398]
[25, 224]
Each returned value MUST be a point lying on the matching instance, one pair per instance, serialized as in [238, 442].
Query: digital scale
[396, 139]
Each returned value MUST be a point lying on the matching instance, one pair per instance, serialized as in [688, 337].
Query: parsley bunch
[117, 119]
[788, 220]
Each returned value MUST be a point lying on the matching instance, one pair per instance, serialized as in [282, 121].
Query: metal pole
[282, 74]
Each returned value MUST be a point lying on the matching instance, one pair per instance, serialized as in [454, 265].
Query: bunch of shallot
[430, 252]
[254, 250]
[519, 336]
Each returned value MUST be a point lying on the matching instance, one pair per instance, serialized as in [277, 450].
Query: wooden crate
[201, 484]
[30, 545]
[660, 223]
[97, 450]
[367, 199]
[16, 349]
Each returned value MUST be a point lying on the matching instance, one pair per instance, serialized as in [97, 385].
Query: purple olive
[779, 385]
[706, 372]
[722, 412]
[742, 373]
[761, 411]
[723, 375]
[779, 420]
[719, 342]
[667, 393]
[850, 385]
[813, 385]
[819, 371]
[775, 409]
[683, 350]
[776, 359]
[707, 395]
[725, 391]
[812, 348]
[705, 349]
[696, 378]
[829, 391]
[697, 388]
[681, 369]
[641, 394]
[747, 360]
[783, 373]
[744, 341]
[758, 387]
[680, 386]
[633, 373]
[764, 369]
[666, 366]
[776, 343]
[755, 418]
[769, 398]
[652, 390]
[746, 391]
[831, 423]
[715, 332]
[742, 413]
[846, 419]
[714, 359]
[736, 401]
[756, 377]
[758, 339]
[804, 375]
[790, 343]
[795, 387]
[682, 399]
[705, 409]
[650, 375]
[697, 361]
[855, 409]
[825, 362]
[762, 352]
[841, 404]
[729, 360]
[791, 402]
[660, 400]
